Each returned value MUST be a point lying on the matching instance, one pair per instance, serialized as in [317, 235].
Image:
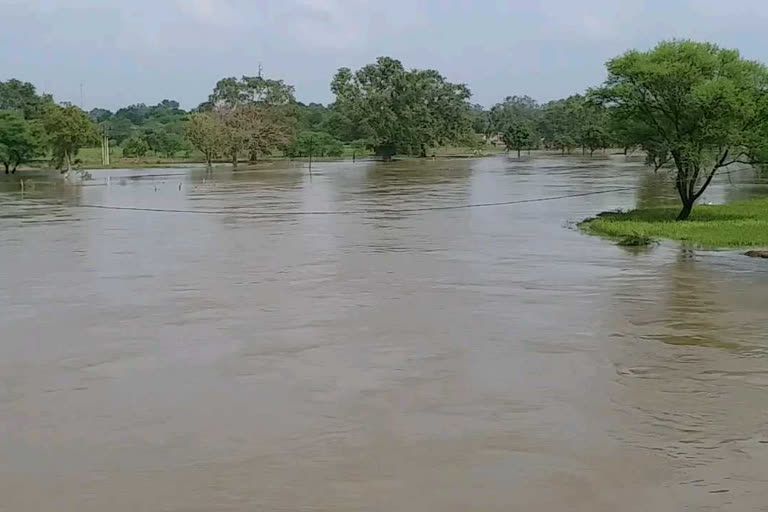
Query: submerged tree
[20, 140]
[517, 137]
[400, 111]
[205, 132]
[704, 106]
[68, 129]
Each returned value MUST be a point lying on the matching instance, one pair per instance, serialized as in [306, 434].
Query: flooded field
[371, 353]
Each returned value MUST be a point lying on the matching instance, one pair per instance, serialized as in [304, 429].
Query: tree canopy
[704, 106]
[400, 111]
[68, 129]
[20, 140]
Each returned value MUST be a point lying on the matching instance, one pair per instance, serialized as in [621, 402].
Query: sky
[144, 51]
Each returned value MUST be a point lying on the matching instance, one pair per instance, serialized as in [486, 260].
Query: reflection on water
[471, 359]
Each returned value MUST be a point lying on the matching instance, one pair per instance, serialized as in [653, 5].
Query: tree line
[690, 106]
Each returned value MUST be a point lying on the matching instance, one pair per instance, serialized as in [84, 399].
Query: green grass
[742, 224]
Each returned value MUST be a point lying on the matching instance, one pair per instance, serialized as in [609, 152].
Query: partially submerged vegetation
[742, 224]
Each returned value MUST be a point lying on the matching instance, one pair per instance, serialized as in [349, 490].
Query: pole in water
[310, 160]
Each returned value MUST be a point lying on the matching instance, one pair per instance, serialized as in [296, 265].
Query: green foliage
[637, 240]
[135, 147]
[516, 137]
[400, 111]
[68, 129]
[206, 132]
[22, 97]
[704, 106]
[317, 143]
[742, 224]
[514, 110]
[231, 92]
[20, 140]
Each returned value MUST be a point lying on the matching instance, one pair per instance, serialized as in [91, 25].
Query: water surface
[489, 358]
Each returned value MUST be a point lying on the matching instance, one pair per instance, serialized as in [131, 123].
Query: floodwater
[381, 359]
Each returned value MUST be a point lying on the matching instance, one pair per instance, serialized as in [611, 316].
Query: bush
[135, 147]
[637, 240]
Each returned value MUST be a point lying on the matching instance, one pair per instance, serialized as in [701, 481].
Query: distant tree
[99, 115]
[481, 121]
[119, 128]
[517, 137]
[231, 92]
[512, 111]
[402, 111]
[22, 97]
[318, 143]
[704, 105]
[135, 147]
[260, 114]
[169, 144]
[205, 132]
[68, 129]
[136, 114]
[20, 140]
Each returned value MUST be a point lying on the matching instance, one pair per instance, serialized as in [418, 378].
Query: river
[374, 355]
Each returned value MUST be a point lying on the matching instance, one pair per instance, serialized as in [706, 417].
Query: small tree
[20, 140]
[517, 137]
[68, 129]
[705, 106]
[317, 143]
[205, 132]
[135, 147]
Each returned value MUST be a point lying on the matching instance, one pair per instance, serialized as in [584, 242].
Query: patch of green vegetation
[742, 224]
[637, 240]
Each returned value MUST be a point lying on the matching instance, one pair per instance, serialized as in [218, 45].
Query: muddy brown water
[488, 359]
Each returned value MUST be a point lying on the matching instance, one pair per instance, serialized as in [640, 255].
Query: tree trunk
[234, 160]
[68, 158]
[518, 152]
[13, 170]
[686, 211]
[423, 152]
[6, 167]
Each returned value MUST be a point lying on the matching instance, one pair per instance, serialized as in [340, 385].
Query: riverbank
[729, 226]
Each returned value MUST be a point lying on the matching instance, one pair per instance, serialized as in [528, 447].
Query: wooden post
[310, 159]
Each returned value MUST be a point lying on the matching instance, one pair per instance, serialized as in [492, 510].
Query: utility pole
[105, 160]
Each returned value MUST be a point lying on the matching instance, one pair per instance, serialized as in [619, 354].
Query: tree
[135, 147]
[517, 137]
[402, 111]
[100, 115]
[706, 106]
[259, 114]
[205, 132]
[22, 97]
[169, 144]
[20, 140]
[68, 129]
[316, 143]
[231, 92]
[512, 111]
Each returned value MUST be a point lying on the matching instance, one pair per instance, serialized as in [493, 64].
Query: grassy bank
[742, 224]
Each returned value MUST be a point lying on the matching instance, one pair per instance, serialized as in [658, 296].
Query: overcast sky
[147, 50]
